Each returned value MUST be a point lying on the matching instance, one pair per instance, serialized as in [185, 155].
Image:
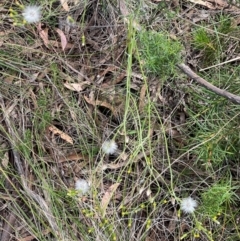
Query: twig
[226, 62]
[234, 98]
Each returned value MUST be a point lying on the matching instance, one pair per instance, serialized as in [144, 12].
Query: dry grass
[58, 106]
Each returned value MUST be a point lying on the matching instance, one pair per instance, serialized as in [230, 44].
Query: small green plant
[206, 42]
[212, 39]
[203, 40]
[214, 148]
[158, 53]
[215, 139]
[216, 196]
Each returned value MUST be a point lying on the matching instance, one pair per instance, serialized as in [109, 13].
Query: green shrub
[158, 53]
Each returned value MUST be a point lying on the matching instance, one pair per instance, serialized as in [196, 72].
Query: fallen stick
[216, 65]
[233, 98]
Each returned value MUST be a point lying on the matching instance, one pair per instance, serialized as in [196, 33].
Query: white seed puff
[188, 205]
[82, 186]
[32, 14]
[109, 147]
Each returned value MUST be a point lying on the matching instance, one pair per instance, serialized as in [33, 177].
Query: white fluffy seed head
[188, 205]
[32, 14]
[82, 186]
[109, 147]
[148, 192]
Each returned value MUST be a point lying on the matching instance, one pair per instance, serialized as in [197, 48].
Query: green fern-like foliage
[215, 197]
[159, 54]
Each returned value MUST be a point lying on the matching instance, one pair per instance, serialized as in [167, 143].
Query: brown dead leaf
[100, 103]
[62, 37]
[203, 3]
[77, 86]
[64, 4]
[73, 157]
[63, 135]
[115, 81]
[113, 166]
[107, 197]
[43, 33]
[58, 45]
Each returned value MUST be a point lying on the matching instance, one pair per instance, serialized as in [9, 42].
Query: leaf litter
[83, 111]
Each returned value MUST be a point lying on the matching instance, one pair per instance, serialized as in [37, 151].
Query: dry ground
[59, 106]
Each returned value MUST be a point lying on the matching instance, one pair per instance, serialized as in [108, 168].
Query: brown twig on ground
[234, 98]
[222, 63]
